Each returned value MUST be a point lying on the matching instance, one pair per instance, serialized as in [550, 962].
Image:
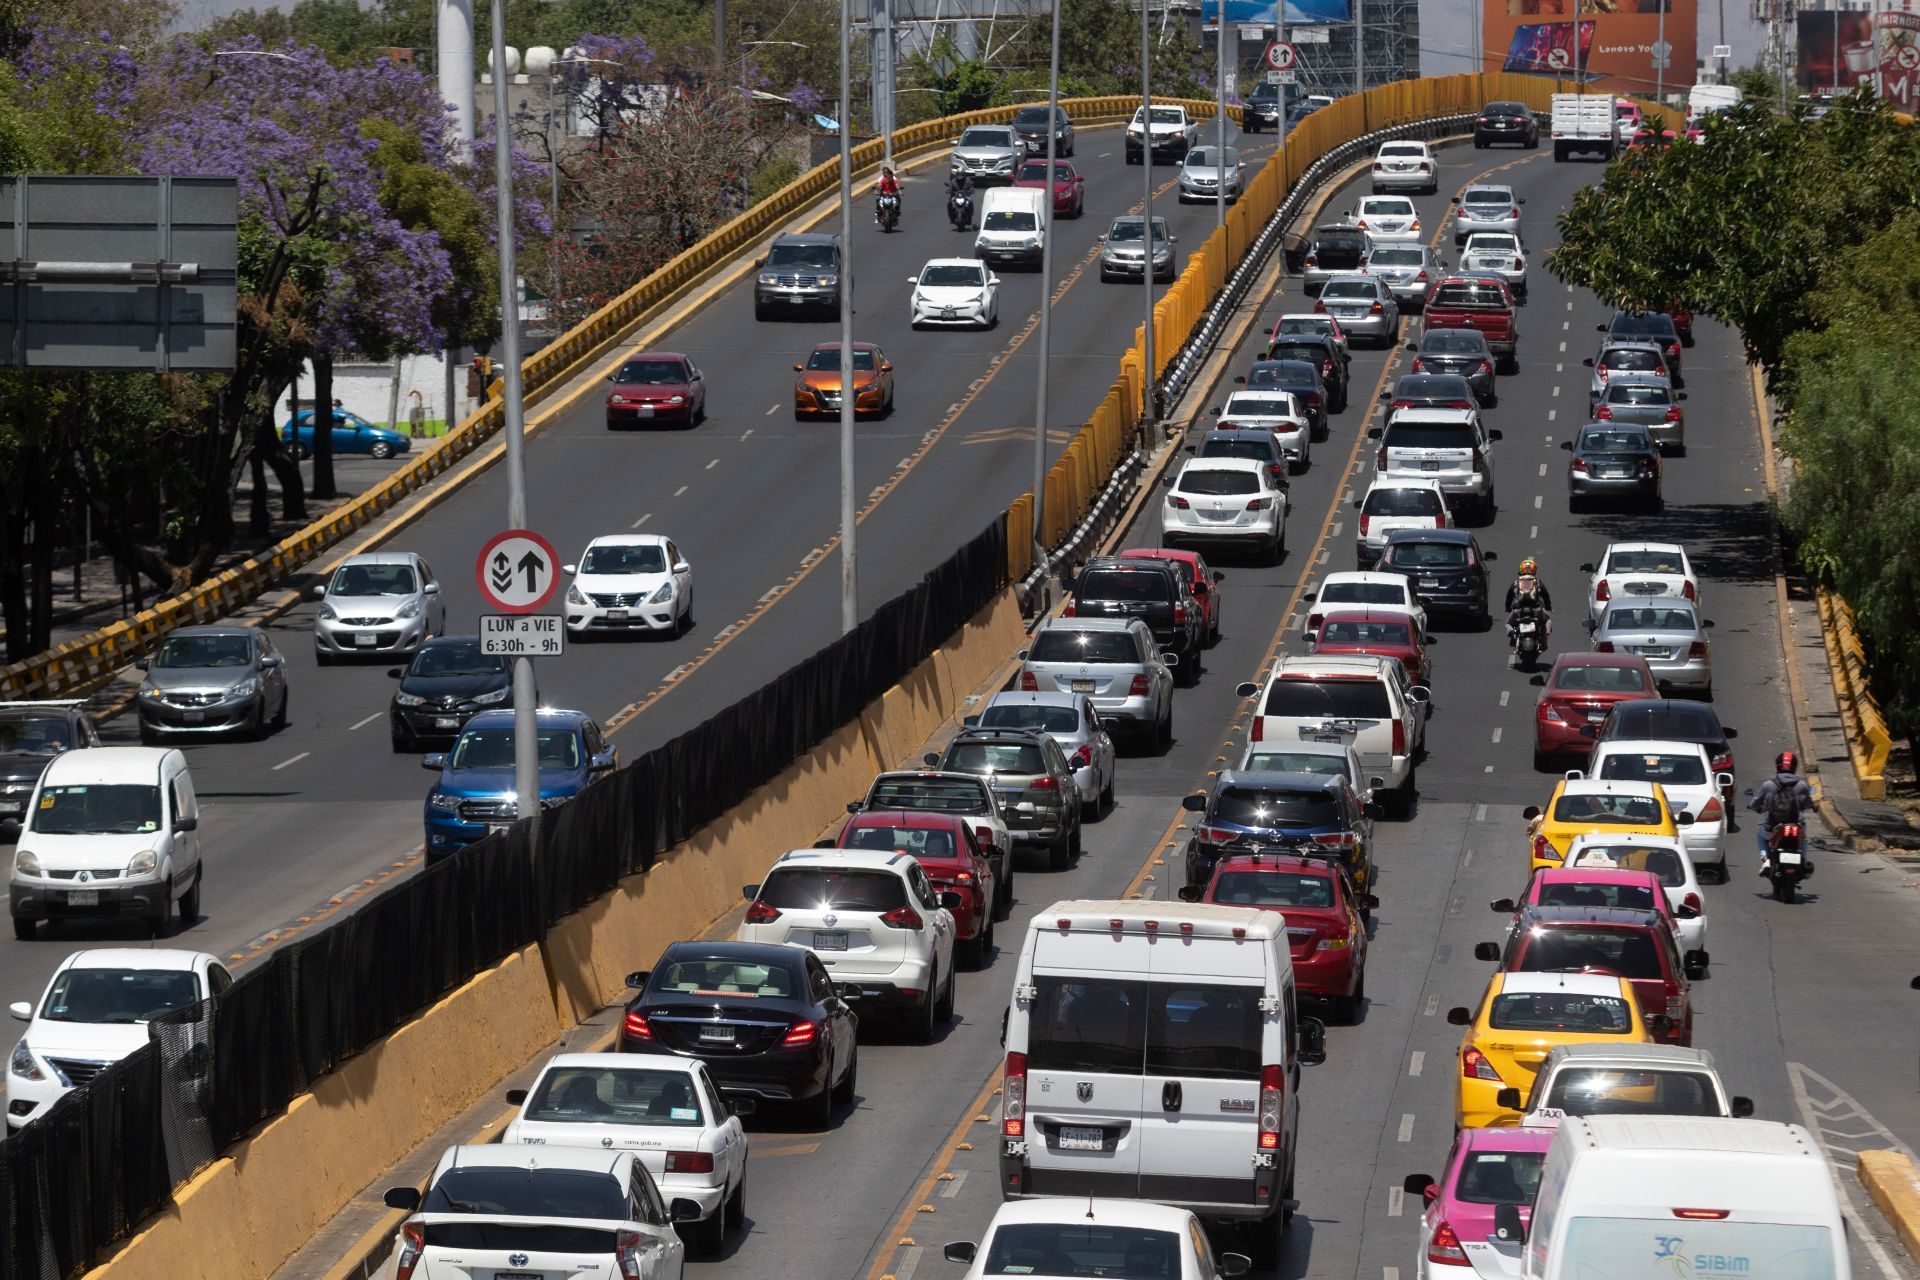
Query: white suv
[1226, 500]
[1347, 698]
[875, 921]
[628, 582]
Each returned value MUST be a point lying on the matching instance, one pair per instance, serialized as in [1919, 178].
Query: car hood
[1061, 186]
[829, 379]
[493, 782]
[643, 391]
[19, 766]
[986, 152]
[950, 292]
[97, 852]
[202, 678]
[87, 1041]
[367, 606]
[434, 688]
[620, 583]
[1209, 171]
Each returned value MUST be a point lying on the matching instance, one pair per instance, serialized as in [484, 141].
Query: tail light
[1646, 466]
[1399, 738]
[1071, 611]
[1673, 350]
[702, 1161]
[1445, 1248]
[1366, 522]
[1313, 397]
[1376, 310]
[626, 1254]
[1138, 689]
[1178, 503]
[1698, 649]
[1422, 278]
[413, 1241]
[1479, 461]
[1380, 459]
[1602, 372]
[1603, 592]
[984, 835]
[1045, 782]
[1603, 414]
[1687, 590]
[1082, 758]
[1362, 224]
[1550, 712]
[1416, 221]
[1312, 261]
[1676, 1010]
[800, 1033]
[1179, 612]
[1605, 646]
[1319, 305]
[1273, 1101]
[1673, 413]
[1544, 850]
[1326, 366]
[1213, 835]
[1519, 264]
[1691, 902]
[759, 912]
[1440, 520]
[1028, 684]
[903, 918]
[1340, 839]
[1276, 469]
[1486, 367]
[1013, 1097]
[1258, 504]
[1419, 365]
[1723, 763]
[1513, 213]
[638, 1029]
[1259, 729]
[1710, 811]
[1578, 464]
[1474, 1065]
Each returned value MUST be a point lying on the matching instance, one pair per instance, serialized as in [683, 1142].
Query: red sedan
[1204, 582]
[945, 846]
[1385, 635]
[1580, 690]
[656, 386]
[1069, 188]
[1324, 929]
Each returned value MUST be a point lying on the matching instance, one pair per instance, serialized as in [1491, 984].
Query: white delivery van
[1153, 1053]
[1012, 226]
[1583, 122]
[1625, 1198]
[110, 831]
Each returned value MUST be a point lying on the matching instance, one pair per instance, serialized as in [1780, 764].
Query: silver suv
[1115, 662]
[1031, 778]
[988, 153]
[800, 273]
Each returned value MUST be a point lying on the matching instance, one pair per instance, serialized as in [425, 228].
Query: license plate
[365, 638]
[1351, 312]
[1076, 1139]
[616, 615]
[446, 722]
[516, 1275]
[834, 941]
[794, 297]
[1432, 466]
[13, 806]
[646, 411]
[1322, 737]
[1647, 650]
[946, 313]
[1080, 686]
[1790, 859]
[1527, 628]
[83, 897]
[716, 1035]
[1430, 582]
[193, 717]
[1595, 717]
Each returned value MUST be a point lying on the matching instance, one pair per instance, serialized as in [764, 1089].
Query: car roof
[998, 733]
[1254, 435]
[630, 540]
[1427, 414]
[852, 859]
[1087, 624]
[170, 959]
[378, 557]
[1290, 862]
[215, 629]
[1077, 1210]
[1034, 698]
[1593, 875]
[1363, 576]
[808, 237]
[1273, 780]
[835, 346]
[957, 262]
[651, 1062]
[1643, 546]
[720, 949]
[518, 1155]
[1631, 344]
[1605, 787]
[1648, 1055]
[912, 819]
[1250, 466]
[943, 775]
[1676, 708]
[1586, 984]
[655, 355]
[105, 765]
[1457, 537]
[1338, 750]
[1532, 915]
[1363, 613]
[1404, 482]
[1506, 1138]
[1488, 186]
[1099, 563]
[1286, 366]
[545, 718]
[1591, 658]
[1341, 664]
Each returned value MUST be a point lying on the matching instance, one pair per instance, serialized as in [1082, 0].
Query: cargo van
[1623, 1198]
[1012, 226]
[1154, 1053]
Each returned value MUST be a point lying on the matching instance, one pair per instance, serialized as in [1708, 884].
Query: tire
[920, 1026]
[257, 723]
[1479, 144]
[817, 1112]
[25, 927]
[1559, 153]
[1163, 732]
[1060, 854]
[190, 900]
[1403, 798]
[301, 452]
[402, 746]
[1783, 889]
[1106, 799]
[1346, 1009]
[157, 922]
[148, 737]
[1542, 762]
[380, 451]
[709, 1235]
[1003, 893]
[1265, 1240]
[842, 1092]
[280, 716]
[973, 952]
[736, 1207]
[1721, 873]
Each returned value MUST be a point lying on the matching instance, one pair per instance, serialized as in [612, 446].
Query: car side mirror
[1740, 1106]
[931, 759]
[1504, 905]
[1531, 812]
[1724, 781]
[431, 589]
[1538, 682]
[1659, 1023]
[1681, 396]
[1599, 328]
[1459, 1016]
[1418, 1184]
[1246, 689]
[1453, 200]
[396, 673]
[1312, 1041]
[186, 824]
[142, 664]
[1234, 1264]
[1412, 346]
[1510, 1098]
[271, 661]
[1729, 734]
[1707, 624]
[1170, 659]
[1195, 803]
[1374, 810]
[638, 978]
[516, 1097]
[603, 761]
[1588, 362]
[913, 279]
[951, 900]
[1192, 892]
[319, 589]
[23, 1012]
[853, 806]
[1489, 951]
[1567, 445]
[1589, 624]
[405, 1199]
[749, 891]
[1419, 693]
[959, 1251]
[1523, 199]
[823, 844]
[1496, 434]
[886, 366]
[1356, 504]
[1373, 433]
[1240, 379]
[1574, 775]
[796, 368]
[1507, 1226]
[434, 760]
[685, 1210]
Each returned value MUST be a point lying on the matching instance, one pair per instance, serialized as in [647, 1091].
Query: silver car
[1200, 174]
[988, 153]
[1408, 270]
[1485, 207]
[1364, 306]
[1115, 663]
[1644, 359]
[1122, 255]
[1335, 759]
[1073, 722]
[1670, 634]
[212, 680]
[385, 602]
[1650, 402]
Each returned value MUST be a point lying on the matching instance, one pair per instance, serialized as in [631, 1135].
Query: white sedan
[631, 582]
[1669, 863]
[1632, 571]
[1497, 253]
[664, 1109]
[954, 291]
[1091, 1237]
[1685, 772]
[1278, 412]
[1380, 591]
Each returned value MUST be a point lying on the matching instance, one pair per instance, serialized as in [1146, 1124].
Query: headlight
[26, 862]
[616, 398]
[246, 688]
[149, 691]
[23, 1064]
[664, 594]
[827, 282]
[488, 699]
[676, 399]
[768, 278]
[574, 596]
[405, 699]
[411, 609]
[444, 803]
[142, 863]
[327, 614]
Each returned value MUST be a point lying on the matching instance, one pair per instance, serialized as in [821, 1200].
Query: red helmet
[1785, 762]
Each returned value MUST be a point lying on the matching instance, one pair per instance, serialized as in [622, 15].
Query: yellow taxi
[1598, 806]
[1521, 1017]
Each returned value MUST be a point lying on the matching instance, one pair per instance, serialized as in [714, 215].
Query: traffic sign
[511, 636]
[1280, 56]
[1558, 59]
[1662, 52]
[518, 571]
[1311, 35]
[1283, 77]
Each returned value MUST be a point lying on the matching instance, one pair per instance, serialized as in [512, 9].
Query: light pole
[1046, 296]
[1149, 375]
[849, 592]
[1220, 121]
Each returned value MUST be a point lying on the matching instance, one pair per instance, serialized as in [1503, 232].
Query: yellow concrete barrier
[1891, 1181]
[1869, 742]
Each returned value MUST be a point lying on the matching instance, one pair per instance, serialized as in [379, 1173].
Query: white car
[1226, 500]
[1388, 219]
[1311, 322]
[548, 1212]
[1396, 502]
[1350, 698]
[95, 1012]
[630, 582]
[1278, 412]
[1686, 771]
[1333, 759]
[1374, 590]
[877, 923]
[1405, 166]
[1640, 571]
[1498, 253]
[954, 291]
[665, 1109]
[1666, 858]
[1048, 1238]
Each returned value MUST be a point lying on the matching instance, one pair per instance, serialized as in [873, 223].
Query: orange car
[816, 392]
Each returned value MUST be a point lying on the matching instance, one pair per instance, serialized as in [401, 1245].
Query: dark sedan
[1429, 391]
[1506, 122]
[1446, 569]
[656, 386]
[1320, 349]
[1460, 351]
[1302, 378]
[1612, 461]
[446, 684]
[766, 1019]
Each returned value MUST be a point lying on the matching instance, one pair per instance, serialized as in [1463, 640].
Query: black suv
[800, 273]
[1505, 122]
[31, 735]
[1030, 125]
[1152, 591]
[1033, 781]
[1252, 811]
[1316, 348]
[1446, 569]
[1266, 107]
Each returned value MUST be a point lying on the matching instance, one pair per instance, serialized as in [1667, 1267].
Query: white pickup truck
[1173, 132]
[1583, 122]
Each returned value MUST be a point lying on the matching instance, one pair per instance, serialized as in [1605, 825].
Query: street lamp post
[849, 596]
[1220, 122]
[1149, 375]
[1046, 297]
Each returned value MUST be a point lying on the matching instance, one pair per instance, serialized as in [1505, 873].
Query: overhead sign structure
[1280, 56]
[510, 635]
[518, 571]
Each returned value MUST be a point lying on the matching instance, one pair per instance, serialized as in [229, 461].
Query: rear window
[1125, 584]
[521, 1237]
[1631, 953]
[1666, 769]
[1426, 555]
[1469, 296]
[528, 1193]
[1651, 324]
[1402, 502]
[922, 842]
[1492, 242]
[1644, 562]
[930, 795]
[1028, 715]
[1363, 593]
[1084, 646]
[1593, 809]
[610, 1095]
[1261, 407]
[736, 979]
[1296, 762]
[1257, 450]
[1366, 631]
[1614, 442]
[1663, 863]
[1639, 393]
[1561, 1011]
[995, 757]
[820, 888]
[1009, 220]
[1453, 342]
[1403, 149]
[1331, 699]
[1272, 889]
[1686, 721]
[1259, 807]
[1633, 360]
[1083, 1249]
[1349, 289]
[1595, 678]
[1500, 1177]
[1395, 207]
[1649, 618]
[1288, 373]
[1488, 195]
[1429, 435]
[1613, 1091]
[1396, 258]
[1633, 897]
[1285, 350]
[1130, 1027]
[1342, 241]
[1220, 483]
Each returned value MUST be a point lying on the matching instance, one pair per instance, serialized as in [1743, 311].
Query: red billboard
[1616, 45]
[1896, 41]
[1834, 50]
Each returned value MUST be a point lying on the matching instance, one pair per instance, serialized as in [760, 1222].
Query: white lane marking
[1496, 735]
[1504, 694]
[295, 760]
[1533, 532]
[1563, 346]
[1326, 555]
[952, 1189]
[1565, 324]
[745, 434]
[1536, 502]
[1466, 859]
[1103, 156]
[1480, 813]
[1569, 306]
[1389, 1273]
[642, 520]
[1406, 1127]
[1836, 1120]
[1488, 769]
[910, 1260]
[1335, 531]
[1433, 1002]
[773, 411]
[1556, 392]
[1558, 368]
[1543, 468]
[1551, 415]
[1416, 1062]
[1396, 1200]
[369, 720]
[716, 461]
[677, 492]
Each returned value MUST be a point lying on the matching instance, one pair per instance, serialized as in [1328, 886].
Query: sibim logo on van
[1237, 1104]
[1084, 1091]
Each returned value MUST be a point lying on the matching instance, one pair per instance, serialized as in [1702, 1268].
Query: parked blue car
[351, 434]
[475, 793]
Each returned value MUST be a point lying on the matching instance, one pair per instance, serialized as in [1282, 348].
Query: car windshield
[1245, 806]
[806, 257]
[1317, 762]
[1084, 646]
[1633, 897]
[1097, 1251]
[1283, 373]
[995, 757]
[1363, 593]
[1453, 342]
[1429, 435]
[1427, 555]
[1686, 721]
[455, 658]
[829, 358]
[1031, 715]
[493, 749]
[1506, 109]
[36, 736]
[622, 558]
[1649, 561]
[1499, 1177]
[1649, 393]
[1031, 116]
[1396, 257]
[1261, 407]
[1009, 220]
[118, 995]
[1652, 323]
[929, 795]
[1036, 171]
[616, 1095]
[652, 371]
[1470, 295]
[1607, 809]
[1402, 502]
[1560, 1011]
[1218, 483]
[373, 580]
[1632, 360]
[1365, 631]
[1493, 242]
[1636, 1091]
[1231, 447]
[1596, 677]
[1631, 953]
[987, 138]
[529, 1193]
[712, 976]
[1397, 207]
[1124, 584]
[833, 889]
[1208, 157]
[179, 651]
[95, 809]
[1488, 195]
[1126, 230]
[1349, 289]
[954, 276]
[1615, 441]
[1646, 617]
[1664, 863]
[1664, 768]
[922, 842]
[1446, 387]
[1272, 889]
[1328, 699]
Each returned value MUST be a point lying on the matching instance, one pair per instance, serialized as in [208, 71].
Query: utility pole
[1046, 299]
[1220, 120]
[1360, 46]
[1149, 375]
[849, 592]
[453, 72]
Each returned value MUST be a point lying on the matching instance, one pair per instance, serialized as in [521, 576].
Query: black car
[1266, 108]
[448, 681]
[1249, 810]
[1153, 591]
[1429, 391]
[1302, 378]
[1506, 122]
[1669, 720]
[1320, 349]
[1030, 126]
[1446, 568]
[1648, 326]
[1461, 351]
[31, 735]
[766, 1019]
[1256, 443]
[800, 273]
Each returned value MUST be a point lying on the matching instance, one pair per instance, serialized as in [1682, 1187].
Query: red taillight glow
[1474, 1065]
[1687, 590]
[1603, 414]
[1578, 464]
[1419, 365]
[1273, 1096]
[1013, 1097]
[1399, 738]
[1605, 646]
[702, 1161]
[1376, 310]
[1698, 649]
[413, 1241]
[1082, 758]
[1603, 592]
[1544, 850]
[1045, 782]
[759, 912]
[1486, 367]
[800, 1033]
[1071, 611]
[1710, 811]
[1179, 613]
[1319, 305]
[1138, 688]
[1259, 732]
[1445, 1248]
[626, 1253]
[903, 918]
[1550, 712]
[1673, 413]
[1177, 502]
[1440, 520]
[1028, 684]
[1519, 264]
[638, 1029]
[1702, 1215]
[1365, 522]
[1691, 902]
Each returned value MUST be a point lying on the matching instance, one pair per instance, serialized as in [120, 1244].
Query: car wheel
[1265, 1239]
[157, 921]
[1346, 1009]
[943, 1010]
[25, 927]
[736, 1209]
[1187, 674]
[1106, 798]
[280, 716]
[1542, 762]
[1403, 797]
[971, 952]
[190, 900]
[301, 452]
[817, 1112]
[257, 722]
[1060, 854]
[381, 450]
[1163, 732]
[148, 737]
[842, 1092]
[1720, 872]
[920, 1026]
[1003, 894]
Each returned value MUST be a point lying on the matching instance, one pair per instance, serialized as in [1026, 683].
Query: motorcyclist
[1528, 608]
[1780, 800]
[961, 186]
[1528, 583]
[887, 186]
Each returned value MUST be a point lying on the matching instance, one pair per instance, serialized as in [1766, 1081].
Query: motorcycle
[1529, 638]
[1787, 862]
[886, 210]
[960, 210]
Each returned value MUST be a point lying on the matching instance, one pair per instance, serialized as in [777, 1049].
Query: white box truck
[1583, 122]
[1626, 1198]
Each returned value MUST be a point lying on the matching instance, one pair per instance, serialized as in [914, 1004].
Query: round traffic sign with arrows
[1281, 56]
[518, 571]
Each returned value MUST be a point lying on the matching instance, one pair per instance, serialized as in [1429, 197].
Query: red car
[1322, 909]
[1580, 690]
[1386, 635]
[945, 846]
[1204, 582]
[1603, 887]
[1636, 945]
[1069, 188]
[656, 386]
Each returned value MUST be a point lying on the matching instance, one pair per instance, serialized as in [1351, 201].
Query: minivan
[1154, 1053]
[1013, 222]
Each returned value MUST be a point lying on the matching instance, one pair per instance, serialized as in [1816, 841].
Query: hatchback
[1234, 502]
[1642, 361]
[212, 680]
[947, 850]
[1250, 444]
[1667, 719]
[474, 796]
[1396, 503]
[1649, 326]
[351, 434]
[1299, 378]
[1651, 404]
[1458, 351]
[1613, 462]
[1486, 207]
[1204, 170]
[1321, 350]
[1629, 572]
[1123, 253]
[656, 386]
[1498, 253]
[1684, 772]
[1245, 812]
[381, 602]
[1364, 307]
[1446, 568]
[1294, 322]
[1115, 662]
[1670, 634]
[1031, 778]
[1326, 917]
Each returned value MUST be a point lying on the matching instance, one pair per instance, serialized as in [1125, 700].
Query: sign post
[518, 572]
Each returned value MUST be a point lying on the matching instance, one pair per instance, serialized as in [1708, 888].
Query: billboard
[1611, 45]
[1835, 50]
[1896, 40]
[1261, 12]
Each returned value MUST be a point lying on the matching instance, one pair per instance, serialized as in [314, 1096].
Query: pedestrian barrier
[1868, 740]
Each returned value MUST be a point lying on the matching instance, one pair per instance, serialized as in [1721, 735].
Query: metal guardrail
[1868, 741]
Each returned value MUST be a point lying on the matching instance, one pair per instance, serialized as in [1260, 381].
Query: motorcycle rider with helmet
[1527, 597]
[1780, 800]
[887, 186]
[960, 186]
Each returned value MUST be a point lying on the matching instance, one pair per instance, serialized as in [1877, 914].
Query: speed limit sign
[1280, 56]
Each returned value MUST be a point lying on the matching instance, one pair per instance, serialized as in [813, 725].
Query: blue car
[1248, 810]
[475, 795]
[351, 434]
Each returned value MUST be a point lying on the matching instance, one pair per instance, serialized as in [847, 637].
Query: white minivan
[1153, 1053]
[1012, 226]
[1623, 1198]
[110, 831]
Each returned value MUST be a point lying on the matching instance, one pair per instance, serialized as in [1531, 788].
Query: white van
[110, 831]
[1153, 1053]
[1623, 1198]
[1013, 226]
